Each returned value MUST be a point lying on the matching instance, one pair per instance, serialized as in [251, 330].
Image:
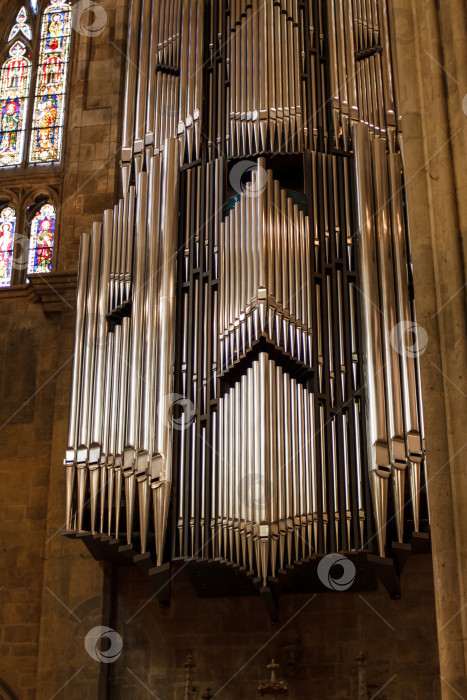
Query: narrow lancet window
[41, 240]
[49, 101]
[7, 240]
[15, 77]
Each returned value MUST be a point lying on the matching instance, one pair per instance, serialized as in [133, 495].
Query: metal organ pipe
[161, 469]
[77, 375]
[378, 456]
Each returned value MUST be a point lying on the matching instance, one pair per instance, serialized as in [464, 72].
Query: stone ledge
[56, 291]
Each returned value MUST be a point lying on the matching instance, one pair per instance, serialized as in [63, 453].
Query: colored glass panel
[7, 240]
[34, 6]
[41, 240]
[15, 77]
[49, 103]
[21, 25]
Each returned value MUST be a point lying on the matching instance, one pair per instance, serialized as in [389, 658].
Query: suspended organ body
[242, 387]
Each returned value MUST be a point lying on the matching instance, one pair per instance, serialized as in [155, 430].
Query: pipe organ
[243, 389]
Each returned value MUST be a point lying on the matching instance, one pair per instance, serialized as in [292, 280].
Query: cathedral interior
[233, 349]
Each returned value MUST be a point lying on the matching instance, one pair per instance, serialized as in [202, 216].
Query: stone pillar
[431, 71]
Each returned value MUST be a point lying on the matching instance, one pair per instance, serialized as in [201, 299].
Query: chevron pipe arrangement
[241, 385]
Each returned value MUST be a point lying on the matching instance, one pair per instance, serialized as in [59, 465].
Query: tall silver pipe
[143, 72]
[378, 454]
[400, 335]
[301, 527]
[110, 352]
[151, 89]
[134, 387]
[224, 496]
[114, 409]
[77, 373]
[83, 456]
[333, 71]
[150, 302]
[220, 479]
[264, 482]
[397, 449]
[388, 82]
[130, 91]
[324, 481]
[346, 476]
[273, 459]
[250, 467]
[129, 241]
[101, 331]
[161, 472]
[88, 331]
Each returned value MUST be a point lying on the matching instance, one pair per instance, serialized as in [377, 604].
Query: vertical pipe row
[264, 54]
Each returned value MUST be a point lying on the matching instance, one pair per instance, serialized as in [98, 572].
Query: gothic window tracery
[21, 25]
[49, 102]
[42, 126]
[33, 84]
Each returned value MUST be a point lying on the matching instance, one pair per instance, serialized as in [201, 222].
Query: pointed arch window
[7, 241]
[21, 25]
[41, 240]
[52, 71]
[35, 134]
[15, 77]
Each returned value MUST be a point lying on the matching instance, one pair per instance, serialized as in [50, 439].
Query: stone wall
[316, 641]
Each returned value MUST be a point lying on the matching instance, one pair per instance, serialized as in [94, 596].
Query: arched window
[14, 90]
[42, 126]
[21, 25]
[41, 240]
[52, 70]
[7, 240]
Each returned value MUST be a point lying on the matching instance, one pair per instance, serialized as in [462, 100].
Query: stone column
[433, 150]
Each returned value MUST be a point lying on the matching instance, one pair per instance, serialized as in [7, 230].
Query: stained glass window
[21, 25]
[14, 89]
[34, 6]
[49, 102]
[7, 239]
[41, 240]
